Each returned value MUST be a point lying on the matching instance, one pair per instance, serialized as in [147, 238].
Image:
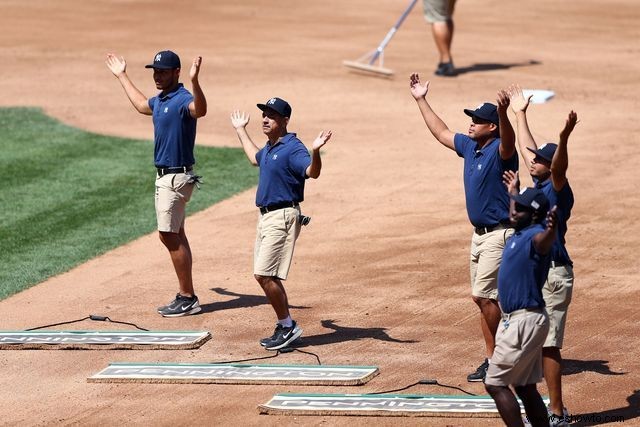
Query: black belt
[555, 264]
[164, 171]
[484, 230]
[275, 207]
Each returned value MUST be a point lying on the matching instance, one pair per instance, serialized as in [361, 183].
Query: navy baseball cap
[165, 60]
[278, 105]
[486, 111]
[545, 151]
[533, 199]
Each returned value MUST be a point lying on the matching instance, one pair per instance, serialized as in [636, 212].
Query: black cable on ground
[426, 382]
[277, 353]
[90, 317]
[308, 352]
[251, 359]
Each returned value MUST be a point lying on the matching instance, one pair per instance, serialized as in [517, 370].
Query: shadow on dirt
[240, 301]
[346, 333]
[491, 66]
[573, 366]
[616, 415]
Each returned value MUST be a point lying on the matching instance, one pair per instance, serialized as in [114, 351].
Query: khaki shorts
[276, 236]
[557, 292]
[484, 262]
[173, 191]
[517, 356]
[438, 10]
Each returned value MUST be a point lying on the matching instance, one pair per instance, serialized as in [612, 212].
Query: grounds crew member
[488, 151]
[517, 358]
[439, 13]
[284, 164]
[548, 165]
[175, 112]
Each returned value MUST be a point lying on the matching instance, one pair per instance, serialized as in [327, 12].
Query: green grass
[69, 195]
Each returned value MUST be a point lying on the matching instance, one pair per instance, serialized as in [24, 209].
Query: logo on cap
[158, 58]
[271, 101]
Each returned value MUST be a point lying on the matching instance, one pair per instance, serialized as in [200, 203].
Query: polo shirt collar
[171, 94]
[481, 150]
[283, 139]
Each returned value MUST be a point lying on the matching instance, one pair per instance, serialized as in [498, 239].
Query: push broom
[373, 61]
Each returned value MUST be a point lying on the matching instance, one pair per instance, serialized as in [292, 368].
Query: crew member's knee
[170, 240]
[526, 390]
[484, 303]
[493, 389]
[262, 280]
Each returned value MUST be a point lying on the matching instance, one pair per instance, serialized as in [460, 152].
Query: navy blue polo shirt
[563, 199]
[282, 171]
[522, 272]
[173, 127]
[486, 196]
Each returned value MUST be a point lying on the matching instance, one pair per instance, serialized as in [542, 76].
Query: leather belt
[162, 171]
[276, 206]
[555, 264]
[484, 230]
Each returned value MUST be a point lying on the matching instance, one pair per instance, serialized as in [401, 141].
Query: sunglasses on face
[538, 159]
[479, 121]
[522, 208]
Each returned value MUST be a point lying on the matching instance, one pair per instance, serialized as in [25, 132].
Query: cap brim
[469, 113]
[160, 67]
[538, 154]
[264, 107]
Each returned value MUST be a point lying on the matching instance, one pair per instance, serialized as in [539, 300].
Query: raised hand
[195, 67]
[518, 101]
[571, 122]
[239, 119]
[117, 65]
[418, 90]
[511, 180]
[502, 99]
[322, 139]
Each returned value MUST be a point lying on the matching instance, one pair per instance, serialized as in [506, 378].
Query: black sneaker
[265, 341]
[480, 373]
[283, 336]
[181, 306]
[445, 69]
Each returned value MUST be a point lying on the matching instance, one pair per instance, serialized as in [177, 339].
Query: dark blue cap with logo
[533, 199]
[545, 151]
[165, 60]
[278, 105]
[486, 111]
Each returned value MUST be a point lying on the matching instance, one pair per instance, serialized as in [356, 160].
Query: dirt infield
[381, 275]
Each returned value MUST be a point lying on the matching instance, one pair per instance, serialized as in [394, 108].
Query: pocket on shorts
[183, 185]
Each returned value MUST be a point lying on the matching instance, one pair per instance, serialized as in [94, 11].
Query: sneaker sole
[478, 380]
[294, 337]
[186, 313]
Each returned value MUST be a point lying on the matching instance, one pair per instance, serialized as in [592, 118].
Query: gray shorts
[276, 235]
[517, 357]
[173, 191]
[557, 292]
[438, 10]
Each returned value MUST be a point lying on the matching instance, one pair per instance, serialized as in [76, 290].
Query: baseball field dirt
[380, 276]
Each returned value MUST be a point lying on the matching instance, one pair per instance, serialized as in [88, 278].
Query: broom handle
[391, 32]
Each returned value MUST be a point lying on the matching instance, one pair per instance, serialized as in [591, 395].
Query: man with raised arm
[548, 164]
[284, 164]
[488, 151]
[175, 112]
